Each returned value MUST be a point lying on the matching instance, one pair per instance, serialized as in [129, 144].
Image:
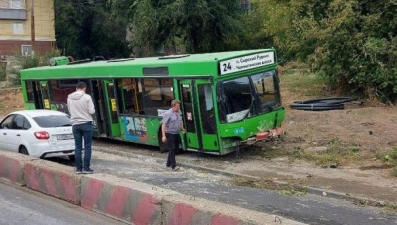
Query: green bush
[351, 43]
[357, 52]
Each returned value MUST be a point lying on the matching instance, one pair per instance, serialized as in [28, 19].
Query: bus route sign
[246, 62]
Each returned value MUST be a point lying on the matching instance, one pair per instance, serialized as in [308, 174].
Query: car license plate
[64, 137]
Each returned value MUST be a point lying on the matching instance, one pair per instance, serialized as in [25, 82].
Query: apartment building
[26, 27]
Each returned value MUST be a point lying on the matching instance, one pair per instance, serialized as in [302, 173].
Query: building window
[16, 4]
[26, 50]
[17, 28]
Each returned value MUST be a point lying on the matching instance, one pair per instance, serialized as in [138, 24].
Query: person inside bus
[172, 124]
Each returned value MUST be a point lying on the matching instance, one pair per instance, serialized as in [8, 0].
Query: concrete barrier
[53, 179]
[126, 200]
[11, 167]
[184, 210]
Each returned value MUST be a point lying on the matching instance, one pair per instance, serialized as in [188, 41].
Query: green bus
[229, 100]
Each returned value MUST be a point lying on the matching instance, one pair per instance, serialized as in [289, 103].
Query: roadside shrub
[350, 43]
[391, 156]
[356, 49]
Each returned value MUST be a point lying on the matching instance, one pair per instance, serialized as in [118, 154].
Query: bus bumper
[264, 136]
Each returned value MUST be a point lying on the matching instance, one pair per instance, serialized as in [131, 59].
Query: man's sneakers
[84, 171]
[88, 171]
[176, 168]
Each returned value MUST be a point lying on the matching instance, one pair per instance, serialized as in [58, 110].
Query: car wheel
[72, 158]
[23, 150]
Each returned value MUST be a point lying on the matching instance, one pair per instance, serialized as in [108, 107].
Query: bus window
[112, 102]
[29, 91]
[188, 107]
[158, 95]
[59, 95]
[128, 88]
[44, 91]
[207, 108]
[265, 90]
[235, 100]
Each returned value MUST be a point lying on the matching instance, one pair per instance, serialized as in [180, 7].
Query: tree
[198, 25]
[350, 42]
[85, 28]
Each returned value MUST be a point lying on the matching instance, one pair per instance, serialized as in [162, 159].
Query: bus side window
[207, 108]
[157, 95]
[29, 91]
[139, 97]
[128, 95]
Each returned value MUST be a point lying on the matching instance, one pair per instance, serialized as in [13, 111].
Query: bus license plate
[64, 136]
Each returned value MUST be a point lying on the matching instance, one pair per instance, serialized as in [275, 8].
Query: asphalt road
[307, 208]
[24, 207]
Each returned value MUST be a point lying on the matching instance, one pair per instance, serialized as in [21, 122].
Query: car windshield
[53, 121]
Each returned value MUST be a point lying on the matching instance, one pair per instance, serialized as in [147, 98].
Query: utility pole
[32, 26]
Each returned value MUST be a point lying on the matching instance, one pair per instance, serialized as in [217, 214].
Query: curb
[122, 199]
[311, 190]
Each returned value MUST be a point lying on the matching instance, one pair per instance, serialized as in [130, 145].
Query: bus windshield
[247, 96]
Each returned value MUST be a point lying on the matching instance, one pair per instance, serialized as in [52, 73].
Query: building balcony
[12, 14]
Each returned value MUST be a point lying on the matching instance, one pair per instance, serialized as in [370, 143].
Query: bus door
[100, 125]
[197, 107]
[111, 106]
[44, 95]
[36, 95]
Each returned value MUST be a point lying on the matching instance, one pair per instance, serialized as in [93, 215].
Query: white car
[39, 133]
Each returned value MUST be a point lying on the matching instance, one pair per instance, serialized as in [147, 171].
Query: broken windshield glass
[235, 99]
[248, 96]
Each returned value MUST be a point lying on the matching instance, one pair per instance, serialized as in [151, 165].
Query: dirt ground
[349, 151]
[10, 100]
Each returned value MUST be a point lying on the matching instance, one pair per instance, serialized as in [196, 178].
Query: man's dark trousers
[172, 145]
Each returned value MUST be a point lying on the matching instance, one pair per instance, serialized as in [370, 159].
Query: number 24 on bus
[229, 100]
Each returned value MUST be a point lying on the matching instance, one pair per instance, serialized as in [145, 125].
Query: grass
[301, 84]
[336, 153]
[302, 81]
[362, 113]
